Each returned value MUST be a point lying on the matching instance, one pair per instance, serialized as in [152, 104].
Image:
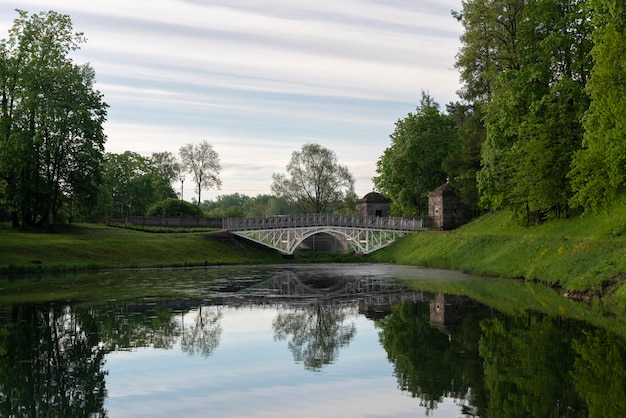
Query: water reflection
[315, 332]
[202, 336]
[51, 362]
[442, 348]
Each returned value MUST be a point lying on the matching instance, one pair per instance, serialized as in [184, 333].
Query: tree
[51, 135]
[462, 164]
[526, 64]
[412, 165]
[203, 162]
[170, 208]
[226, 206]
[265, 205]
[598, 173]
[131, 184]
[315, 181]
[166, 166]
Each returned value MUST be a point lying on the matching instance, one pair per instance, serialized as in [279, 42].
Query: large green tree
[315, 181]
[51, 136]
[599, 169]
[412, 165]
[131, 184]
[464, 162]
[526, 64]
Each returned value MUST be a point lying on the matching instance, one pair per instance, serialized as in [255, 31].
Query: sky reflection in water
[251, 374]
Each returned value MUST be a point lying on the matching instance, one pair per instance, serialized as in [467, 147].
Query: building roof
[445, 188]
[373, 197]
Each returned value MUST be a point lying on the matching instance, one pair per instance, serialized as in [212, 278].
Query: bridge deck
[323, 219]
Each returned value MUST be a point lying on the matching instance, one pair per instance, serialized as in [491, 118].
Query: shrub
[170, 208]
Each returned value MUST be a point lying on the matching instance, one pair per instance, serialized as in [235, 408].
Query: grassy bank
[85, 247]
[586, 255]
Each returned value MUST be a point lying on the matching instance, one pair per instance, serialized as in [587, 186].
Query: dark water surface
[299, 341]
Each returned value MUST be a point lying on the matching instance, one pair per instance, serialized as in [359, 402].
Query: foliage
[131, 184]
[266, 205]
[238, 205]
[171, 207]
[464, 162]
[226, 206]
[203, 162]
[315, 181]
[526, 64]
[166, 166]
[51, 135]
[412, 165]
[583, 255]
[598, 173]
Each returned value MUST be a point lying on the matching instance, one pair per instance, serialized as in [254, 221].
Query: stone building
[446, 209]
[373, 204]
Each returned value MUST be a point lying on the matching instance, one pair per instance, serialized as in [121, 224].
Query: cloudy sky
[260, 78]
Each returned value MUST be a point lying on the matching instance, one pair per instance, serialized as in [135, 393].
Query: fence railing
[323, 219]
[180, 222]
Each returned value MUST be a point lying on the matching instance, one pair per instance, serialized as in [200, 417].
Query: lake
[302, 341]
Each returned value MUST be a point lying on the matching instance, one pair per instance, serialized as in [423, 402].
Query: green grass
[585, 255]
[517, 297]
[86, 247]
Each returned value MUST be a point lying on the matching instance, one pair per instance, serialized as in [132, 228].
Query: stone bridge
[285, 233]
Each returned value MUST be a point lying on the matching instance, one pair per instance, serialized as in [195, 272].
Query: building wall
[374, 209]
[447, 210]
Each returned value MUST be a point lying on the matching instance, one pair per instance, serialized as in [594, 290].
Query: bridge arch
[286, 233]
[332, 232]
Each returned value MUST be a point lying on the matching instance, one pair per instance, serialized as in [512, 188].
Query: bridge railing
[323, 219]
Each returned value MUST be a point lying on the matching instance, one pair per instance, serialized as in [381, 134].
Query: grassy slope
[583, 254]
[90, 246]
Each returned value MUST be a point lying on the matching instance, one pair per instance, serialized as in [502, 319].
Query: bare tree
[202, 161]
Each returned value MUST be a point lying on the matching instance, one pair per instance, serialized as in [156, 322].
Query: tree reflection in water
[496, 365]
[51, 364]
[316, 332]
[202, 336]
[493, 365]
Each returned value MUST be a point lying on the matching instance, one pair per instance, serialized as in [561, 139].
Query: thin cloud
[261, 77]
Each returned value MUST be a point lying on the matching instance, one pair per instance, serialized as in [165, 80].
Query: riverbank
[585, 256]
[95, 247]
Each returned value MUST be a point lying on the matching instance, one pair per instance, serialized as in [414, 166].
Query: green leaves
[203, 162]
[525, 65]
[51, 135]
[598, 171]
[315, 181]
[412, 165]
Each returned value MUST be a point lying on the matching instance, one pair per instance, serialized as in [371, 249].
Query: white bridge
[285, 233]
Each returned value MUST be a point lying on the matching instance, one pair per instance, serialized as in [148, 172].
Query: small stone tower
[373, 204]
[446, 209]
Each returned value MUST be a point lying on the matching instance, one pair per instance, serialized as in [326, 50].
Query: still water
[299, 341]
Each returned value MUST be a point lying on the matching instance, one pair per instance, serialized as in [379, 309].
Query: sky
[260, 78]
[252, 373]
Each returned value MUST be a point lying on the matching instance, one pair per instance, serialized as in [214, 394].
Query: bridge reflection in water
[285, 233]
